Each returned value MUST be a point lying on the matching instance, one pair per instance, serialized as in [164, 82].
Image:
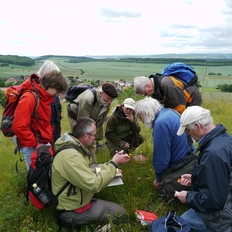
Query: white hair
[47, 66]
[140, 83]
[147, 109]
[204, 122]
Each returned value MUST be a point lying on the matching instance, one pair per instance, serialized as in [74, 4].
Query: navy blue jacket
[212, 180]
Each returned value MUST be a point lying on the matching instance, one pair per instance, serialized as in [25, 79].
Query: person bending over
[168, 148]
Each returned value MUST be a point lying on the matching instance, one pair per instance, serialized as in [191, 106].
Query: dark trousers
[100, 212]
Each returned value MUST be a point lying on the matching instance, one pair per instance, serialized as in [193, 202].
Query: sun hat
[190, 115]
[129, 103]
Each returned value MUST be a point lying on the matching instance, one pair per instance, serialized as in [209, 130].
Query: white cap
[129, 103]
[190, 115]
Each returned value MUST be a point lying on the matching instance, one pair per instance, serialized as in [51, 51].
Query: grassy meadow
[138, 191]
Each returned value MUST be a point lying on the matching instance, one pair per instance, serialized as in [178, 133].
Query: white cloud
[110, 27]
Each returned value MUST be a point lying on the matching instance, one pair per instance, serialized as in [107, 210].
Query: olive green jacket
[119, 127]
[73, 166]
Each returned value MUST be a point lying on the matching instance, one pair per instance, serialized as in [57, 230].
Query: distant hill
[216, 59]
[17, 60]
[173, 55]
[70, 59]
[191, 58]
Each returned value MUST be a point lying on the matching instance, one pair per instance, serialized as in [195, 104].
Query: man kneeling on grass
[76, 205]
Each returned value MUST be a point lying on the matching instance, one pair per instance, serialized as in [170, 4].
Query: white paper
[116, 181]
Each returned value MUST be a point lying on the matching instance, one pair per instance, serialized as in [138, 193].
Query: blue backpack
[181, 71]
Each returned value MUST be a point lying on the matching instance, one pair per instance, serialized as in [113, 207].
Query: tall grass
[136, 193]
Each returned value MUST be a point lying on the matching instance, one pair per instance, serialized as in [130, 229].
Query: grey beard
[104, 103]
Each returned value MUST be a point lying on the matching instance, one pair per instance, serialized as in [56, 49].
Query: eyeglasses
[91, 135]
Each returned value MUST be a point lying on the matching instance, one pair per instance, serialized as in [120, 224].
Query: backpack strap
[156, 80]
[68, 183]
[95, 95]
[35, 114]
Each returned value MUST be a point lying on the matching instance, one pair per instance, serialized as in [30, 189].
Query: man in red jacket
[32, 118]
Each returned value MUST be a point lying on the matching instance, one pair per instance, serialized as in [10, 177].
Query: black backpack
[74, 91]
[38, 187]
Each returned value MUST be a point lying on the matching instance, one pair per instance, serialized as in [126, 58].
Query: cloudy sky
[115, 27]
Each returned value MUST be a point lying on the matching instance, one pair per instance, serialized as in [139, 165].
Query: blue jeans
[27, 152]
[194, 221]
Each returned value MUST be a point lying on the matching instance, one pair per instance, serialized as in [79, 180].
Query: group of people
[174, 114]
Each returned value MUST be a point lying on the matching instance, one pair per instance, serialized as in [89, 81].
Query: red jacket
[25, 126]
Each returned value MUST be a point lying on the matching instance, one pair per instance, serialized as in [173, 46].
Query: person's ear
[197, 125]
[85, 136]
[147, 85]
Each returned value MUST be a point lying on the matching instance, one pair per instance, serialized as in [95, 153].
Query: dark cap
[110, 90]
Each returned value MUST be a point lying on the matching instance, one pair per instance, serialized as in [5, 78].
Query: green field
[111, 71]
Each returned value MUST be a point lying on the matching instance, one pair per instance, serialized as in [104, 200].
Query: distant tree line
[17, 60]
[3, 64]
[225, 87]
[192, 62]
[189, 61]
[214, 74]
[80, 60]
